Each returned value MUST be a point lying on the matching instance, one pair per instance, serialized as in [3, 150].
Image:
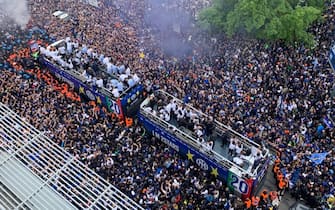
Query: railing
[191, 140]
[219, 126]
[55, 168]
[211, 154]
[77, 75]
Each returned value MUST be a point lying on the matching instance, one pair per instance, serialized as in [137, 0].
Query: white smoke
[17, 10]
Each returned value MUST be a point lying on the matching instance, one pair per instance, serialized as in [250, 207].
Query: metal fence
[36, 173]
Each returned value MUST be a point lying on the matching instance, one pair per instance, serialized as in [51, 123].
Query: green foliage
[311, 3]
[286, 20]
[213, 18]
[210, 19]
[297, 23]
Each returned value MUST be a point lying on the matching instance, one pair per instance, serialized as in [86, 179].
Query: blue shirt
[131, 82]
[119, 86]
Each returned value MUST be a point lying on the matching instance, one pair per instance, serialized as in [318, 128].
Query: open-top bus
[124, 104]
[208, 148]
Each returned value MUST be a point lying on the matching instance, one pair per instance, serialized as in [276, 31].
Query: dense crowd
[274, 94]
[141, 166]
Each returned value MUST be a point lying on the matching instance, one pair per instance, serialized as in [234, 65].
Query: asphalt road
[287, 201]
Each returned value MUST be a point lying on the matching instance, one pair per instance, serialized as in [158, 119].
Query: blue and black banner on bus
[131, 98]
[260, 174]
[332, 57]
[116, 106]
[241, 185]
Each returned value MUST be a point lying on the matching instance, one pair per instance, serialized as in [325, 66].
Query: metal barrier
[46, 174]
[218, 125]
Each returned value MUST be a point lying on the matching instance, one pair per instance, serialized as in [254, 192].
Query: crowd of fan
[273, 94]
[141, 166]
[280, 95]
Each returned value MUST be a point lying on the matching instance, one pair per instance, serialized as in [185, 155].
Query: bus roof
[219, 155]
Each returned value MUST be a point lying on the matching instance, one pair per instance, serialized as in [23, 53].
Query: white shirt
[105, 60]
[101, 58]
[61, 50]
[109, 68]
[95, 54]
[180, 112]
[239, 149]
[173, 106]
[100, 83]
[78, 54]
[94, 80]
[42, 50]
[76, 60]
[231, 145]
[199, 132]
[168, 108]
[128, 71]
[167, 117]
[70, 65]
[84, 74]
[89, 52]
[238, 160]
[54, 53]
[123, 77]
[63, 63]
[136, 78]
[75, 45]
[69, 47]
[116, 93]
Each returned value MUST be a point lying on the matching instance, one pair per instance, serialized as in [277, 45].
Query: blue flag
[318, 158]
[328, 122]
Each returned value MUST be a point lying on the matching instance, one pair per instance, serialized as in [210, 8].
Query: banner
[332, 57]
[317, 158]
[239, 184]
[328, 122]
[132, 96]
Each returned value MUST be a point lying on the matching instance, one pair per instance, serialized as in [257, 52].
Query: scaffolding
[36, 173]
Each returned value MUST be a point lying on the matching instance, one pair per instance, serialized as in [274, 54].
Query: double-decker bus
[60, 62]
[207, 142]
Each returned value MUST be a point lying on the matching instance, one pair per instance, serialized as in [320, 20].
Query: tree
[295, 24]
[311, 3]
[213, 18]
[286, 20]
[248, 15]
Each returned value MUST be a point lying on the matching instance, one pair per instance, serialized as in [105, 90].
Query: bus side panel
[77, 85]
[260, 176]
[236, 183]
